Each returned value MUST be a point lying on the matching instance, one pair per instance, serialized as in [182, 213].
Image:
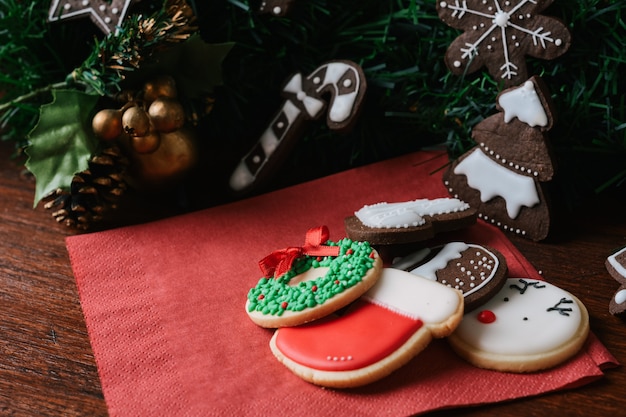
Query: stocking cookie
[499, 34]
[477, 271]
[379, 333]
[503, 176]
[341, 83]
[406, 222]
[528, 326]
[616, 265]
[306, 283]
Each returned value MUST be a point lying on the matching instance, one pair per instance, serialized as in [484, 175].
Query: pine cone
[92, 193]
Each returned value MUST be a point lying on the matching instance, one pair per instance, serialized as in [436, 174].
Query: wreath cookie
[302, 284]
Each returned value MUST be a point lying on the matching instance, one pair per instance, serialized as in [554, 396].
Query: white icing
[492, 180]
[620, 297]
[408, 213]
[97, 14]
[615, 264]
[343, 104]
[448, 252]
[524, 325]
[413, 296]
[523, 103]
[312, 105]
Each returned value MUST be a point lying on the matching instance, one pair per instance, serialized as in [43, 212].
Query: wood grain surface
[47, 367]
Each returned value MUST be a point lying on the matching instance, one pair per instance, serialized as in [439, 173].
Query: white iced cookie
[528, 326]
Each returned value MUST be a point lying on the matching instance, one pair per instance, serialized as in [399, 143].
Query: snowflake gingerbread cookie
[499, 34]
[503, 176]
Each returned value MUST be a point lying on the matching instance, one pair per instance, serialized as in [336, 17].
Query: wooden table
[47, 367]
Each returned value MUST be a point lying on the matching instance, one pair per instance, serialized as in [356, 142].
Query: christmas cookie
[306, 283]
[479, 272]
[528, 326]
[380, 332]
[406, 222]
[499, 34]
[336, 89]
[503, 176]
[616, 265]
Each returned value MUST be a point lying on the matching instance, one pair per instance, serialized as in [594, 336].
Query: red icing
[486, 316]
[363, 336]
[284, 305]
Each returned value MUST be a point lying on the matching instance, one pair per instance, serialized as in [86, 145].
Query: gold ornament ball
[162, 86]
[147, 143]
[168, 164]
[136, 121]
[167, 114]
[107, 124]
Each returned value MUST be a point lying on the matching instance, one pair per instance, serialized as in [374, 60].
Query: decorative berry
[162, 86]
[107, 124]
[136, 121]
[167, 114]
[146, 143]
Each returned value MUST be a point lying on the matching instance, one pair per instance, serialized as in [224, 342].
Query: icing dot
[457, 64]
[486, 316]
[620, 297]
[347, 83]
[102, 7]
[558, 42]
[317, 80]
[67, 6]
[277, 10]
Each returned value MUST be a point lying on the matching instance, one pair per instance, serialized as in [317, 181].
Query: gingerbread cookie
[303, 284]
[503, 176]
[500, 34]
[479, 272]
[107, 15]
[616, 265]
[306, 98]
[528, 326]
[379, 333]
[410, 221]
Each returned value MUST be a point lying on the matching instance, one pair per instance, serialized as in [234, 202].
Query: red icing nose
[486, 317]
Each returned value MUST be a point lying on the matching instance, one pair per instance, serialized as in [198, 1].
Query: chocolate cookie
[407, 222]
[616, 265]
[479, 272]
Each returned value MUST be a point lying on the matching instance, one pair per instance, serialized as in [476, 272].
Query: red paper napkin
[164, 306]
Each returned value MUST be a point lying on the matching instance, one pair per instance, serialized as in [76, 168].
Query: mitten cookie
[616, 265]
[406, 222]
[528, 326]
[336, 89]
[387, 327]
[503, 176]
[479, 272]
[499, 34]
[306, 283]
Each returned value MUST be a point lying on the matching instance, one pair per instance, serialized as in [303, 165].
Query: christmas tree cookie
[504, 176]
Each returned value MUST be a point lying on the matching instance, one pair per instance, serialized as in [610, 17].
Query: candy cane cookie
[302, 284]
[336, 88]
[379, 333]
[410, 221]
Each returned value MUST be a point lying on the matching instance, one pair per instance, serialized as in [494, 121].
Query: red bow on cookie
[279, 262]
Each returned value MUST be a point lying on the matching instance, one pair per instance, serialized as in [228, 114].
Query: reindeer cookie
[391, 324]
[528, 326]
[306, 99]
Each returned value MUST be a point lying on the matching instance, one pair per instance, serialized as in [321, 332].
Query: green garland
[413, 101]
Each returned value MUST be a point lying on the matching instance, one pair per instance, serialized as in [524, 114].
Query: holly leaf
[61, 143]
[195, 65]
